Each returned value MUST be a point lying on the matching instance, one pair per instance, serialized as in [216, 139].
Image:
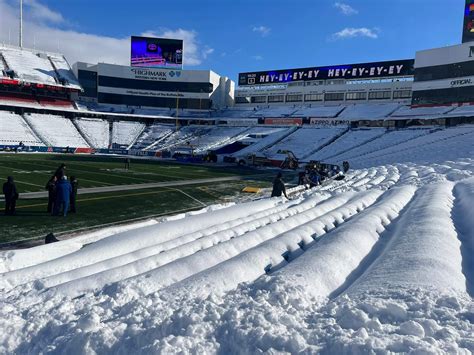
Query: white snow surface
[358, 112]
[126, 132]
[55, 130]
[96, 131]
[29, 66]
[380, 262]
[14, 129]
[304, 141]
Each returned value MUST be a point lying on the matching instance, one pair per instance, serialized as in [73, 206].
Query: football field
[109, 193]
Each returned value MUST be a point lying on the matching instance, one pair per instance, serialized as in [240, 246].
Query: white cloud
[41, 31]
[41, 13]
[257, 57]
[356, 32]
[346, 9]
[194, 54]
[262, 30]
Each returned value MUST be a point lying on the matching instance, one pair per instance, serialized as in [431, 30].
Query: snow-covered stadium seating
[29, 67]
[218, 137]
[236, 112]
[126, 132]
[63, 70]
[319, 111]
[391, 138]
[152, 135]
[407, 111]
[439, 143]
[303, 142]
[14, 129]
[368, 111]
[261, 138]
[184, 137]
[274, 111]
[55, 130]
[463, 110]
[95, 130]
[346, 142]
[33, 66]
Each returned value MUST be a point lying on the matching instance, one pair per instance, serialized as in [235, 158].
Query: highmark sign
[152, 74]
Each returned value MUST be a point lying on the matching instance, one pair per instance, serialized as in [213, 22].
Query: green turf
[31, 172]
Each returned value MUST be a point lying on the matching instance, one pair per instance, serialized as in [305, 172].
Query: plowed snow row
[381, 261]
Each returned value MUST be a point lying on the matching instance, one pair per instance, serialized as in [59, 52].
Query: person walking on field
[11, 195]
[51, 188]
[63, 195]
[74, 186]
[127, 163]
[278, 186]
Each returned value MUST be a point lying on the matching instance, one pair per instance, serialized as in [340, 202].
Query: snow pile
[14, 129]
[378, 262]
[126, 132]
[55, 130]
[96, 131]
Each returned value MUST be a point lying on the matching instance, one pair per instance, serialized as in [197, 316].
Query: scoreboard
[468, 29]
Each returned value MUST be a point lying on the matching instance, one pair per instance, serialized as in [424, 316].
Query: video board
[468, 27]
[156, 52]
[349, 71]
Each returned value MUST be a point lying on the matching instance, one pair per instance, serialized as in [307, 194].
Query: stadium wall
[149, 87]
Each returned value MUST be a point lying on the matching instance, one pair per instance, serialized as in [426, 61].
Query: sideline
[114, 188]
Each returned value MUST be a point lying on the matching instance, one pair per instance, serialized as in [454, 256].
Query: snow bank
[339, 253]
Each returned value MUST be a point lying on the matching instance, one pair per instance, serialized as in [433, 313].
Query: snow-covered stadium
[380, 261]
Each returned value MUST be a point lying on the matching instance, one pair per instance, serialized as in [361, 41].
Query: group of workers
[62, 193]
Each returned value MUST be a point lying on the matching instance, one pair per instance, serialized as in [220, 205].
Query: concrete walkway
[178, 183]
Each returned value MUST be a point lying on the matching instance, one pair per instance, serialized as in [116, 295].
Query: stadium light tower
[21, 23]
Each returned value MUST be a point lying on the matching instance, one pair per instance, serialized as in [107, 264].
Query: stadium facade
[153, 87]
[373, 82]
[444, 76]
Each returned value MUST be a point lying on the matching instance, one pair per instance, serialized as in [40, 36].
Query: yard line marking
[100, 198]
[49, 174]
[195, 199]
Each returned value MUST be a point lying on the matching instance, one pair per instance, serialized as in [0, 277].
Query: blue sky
[234, 36]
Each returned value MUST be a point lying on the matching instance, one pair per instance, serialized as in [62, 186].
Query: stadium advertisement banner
[350, 71]
[156, 52]
[468, 26]
[328, 121]
[153, 93]
[124, 72]
[284, 121]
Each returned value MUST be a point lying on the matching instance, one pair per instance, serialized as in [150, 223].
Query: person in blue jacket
[63, 193]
